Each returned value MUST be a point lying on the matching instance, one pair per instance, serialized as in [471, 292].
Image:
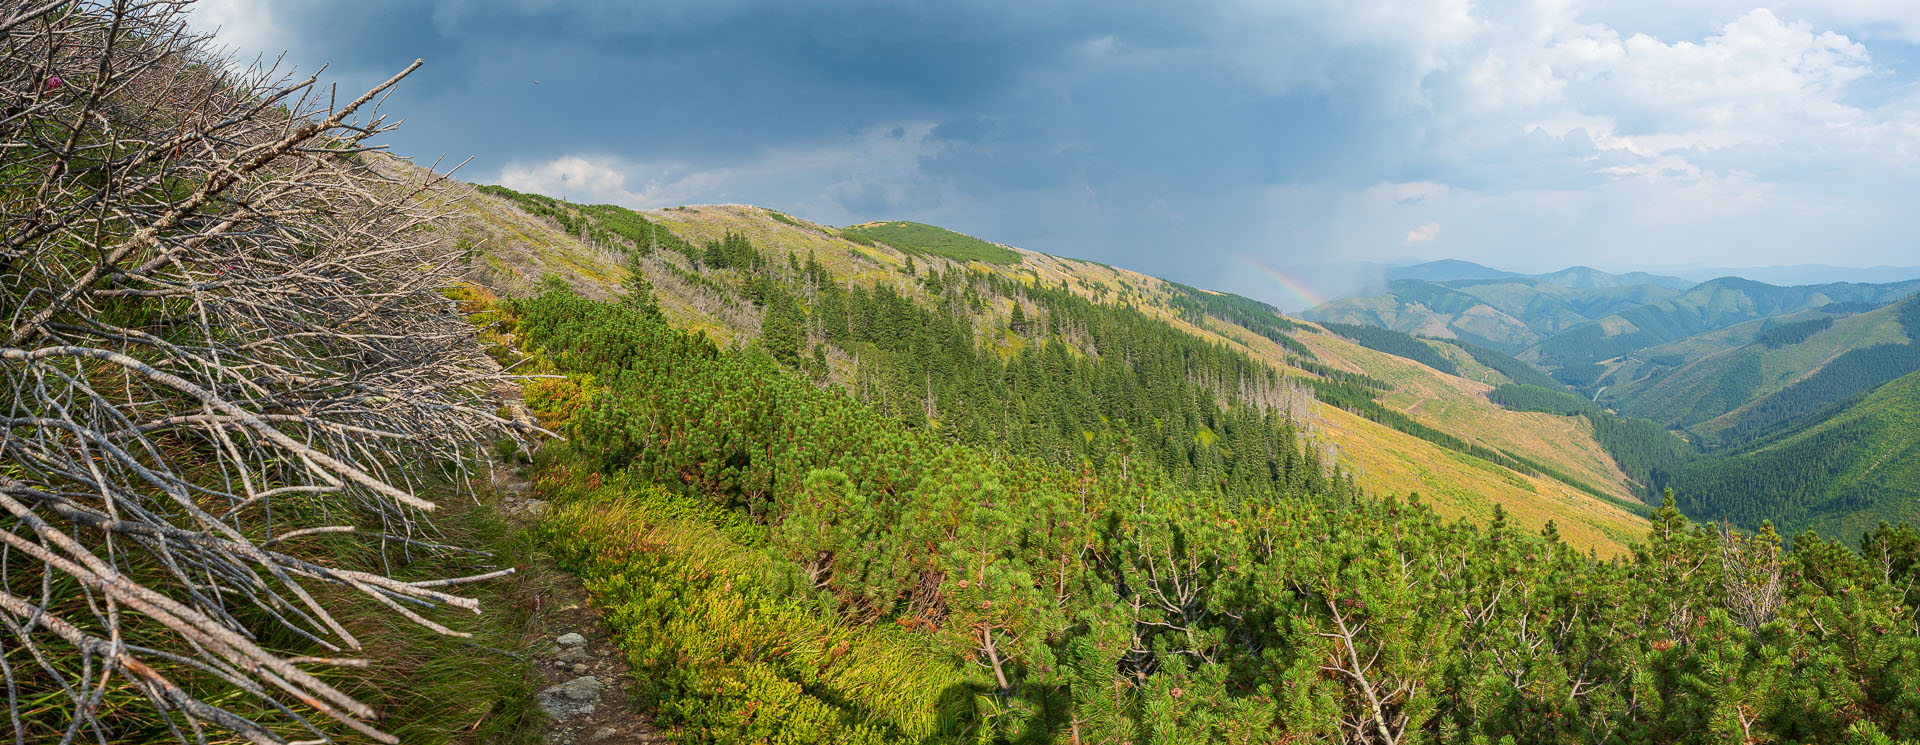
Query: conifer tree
[639, 295]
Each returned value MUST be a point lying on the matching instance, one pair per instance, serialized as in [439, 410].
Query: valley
[1780, 393]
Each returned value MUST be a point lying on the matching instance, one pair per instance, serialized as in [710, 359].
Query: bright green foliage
[725, 636]
[780, 330]
[913, 237]
[1126, 600]
[597, 223]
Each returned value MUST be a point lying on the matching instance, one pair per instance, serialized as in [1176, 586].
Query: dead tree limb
[225, 348]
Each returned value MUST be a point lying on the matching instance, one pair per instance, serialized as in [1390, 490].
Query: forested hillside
[1789, 370]
[1776, 390]
[283, 413]
[1841, 472]
[945, 343]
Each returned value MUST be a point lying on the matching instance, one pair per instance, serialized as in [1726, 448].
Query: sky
[1230, 144]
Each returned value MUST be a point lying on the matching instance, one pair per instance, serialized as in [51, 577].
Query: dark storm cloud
[1166, 137]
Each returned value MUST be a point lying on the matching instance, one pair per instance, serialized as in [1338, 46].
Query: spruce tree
[639, 295]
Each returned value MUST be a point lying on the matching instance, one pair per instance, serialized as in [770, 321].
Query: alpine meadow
[312, 436]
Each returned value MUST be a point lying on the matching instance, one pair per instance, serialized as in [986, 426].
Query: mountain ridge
[1577, 277]
[516, 252]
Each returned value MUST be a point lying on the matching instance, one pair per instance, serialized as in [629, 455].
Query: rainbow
[1295, 286]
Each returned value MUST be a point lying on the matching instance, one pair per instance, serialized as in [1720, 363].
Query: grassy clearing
[1461, 407]
[1389, 461]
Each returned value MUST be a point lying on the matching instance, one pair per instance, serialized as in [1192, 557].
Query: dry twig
[221, 344]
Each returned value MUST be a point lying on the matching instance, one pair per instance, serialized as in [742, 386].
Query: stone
[571, 655]
[579, 668]
[571, 639]
[524, 508]
[601, 735]
[577, 696]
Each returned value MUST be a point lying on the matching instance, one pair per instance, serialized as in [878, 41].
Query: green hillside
[906, 379]
[1621, 375]
[1789, 368]
[927, 492]
[914, 237]
[1724, 302]
[304, 444]
[1841, 476]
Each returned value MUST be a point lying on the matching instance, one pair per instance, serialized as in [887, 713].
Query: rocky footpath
[584, 680]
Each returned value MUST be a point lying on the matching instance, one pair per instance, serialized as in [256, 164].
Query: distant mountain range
[1798, 401]
[1578, 316]
[1677, 277]
[1327, 281]
[1576, 277]
[1798, 274]
[1509, 313]
[1706, 307]
[1752, 380]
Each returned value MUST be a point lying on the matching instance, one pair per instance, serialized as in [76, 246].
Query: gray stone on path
[570, 639]
[604, 733]
[576, 696]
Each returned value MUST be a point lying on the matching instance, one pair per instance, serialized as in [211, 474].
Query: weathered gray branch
[226, 350]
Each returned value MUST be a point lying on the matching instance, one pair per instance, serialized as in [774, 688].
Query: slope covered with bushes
[1008, 599]
[820, 294]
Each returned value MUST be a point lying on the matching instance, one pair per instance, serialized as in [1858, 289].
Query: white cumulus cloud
[1423, 234]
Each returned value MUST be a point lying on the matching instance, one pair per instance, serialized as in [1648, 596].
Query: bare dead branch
[226, 350]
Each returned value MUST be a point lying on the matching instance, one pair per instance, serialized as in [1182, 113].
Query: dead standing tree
[222, 353]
